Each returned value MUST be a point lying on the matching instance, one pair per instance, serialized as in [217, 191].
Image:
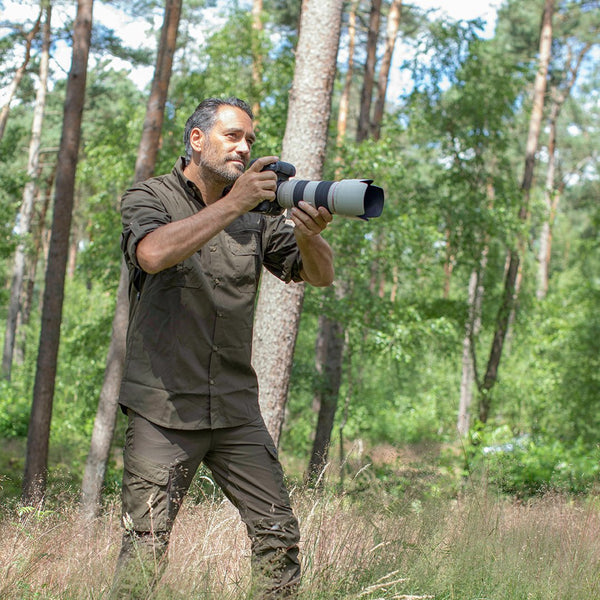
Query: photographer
[195, 252]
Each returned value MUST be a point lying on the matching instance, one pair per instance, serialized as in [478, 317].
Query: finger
[260, 163]
[327, 216]
[306, 221]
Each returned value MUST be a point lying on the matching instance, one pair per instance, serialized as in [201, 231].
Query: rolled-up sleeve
[282, 256]
[141, 213]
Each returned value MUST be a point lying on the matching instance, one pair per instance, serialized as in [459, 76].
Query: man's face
[226, 147]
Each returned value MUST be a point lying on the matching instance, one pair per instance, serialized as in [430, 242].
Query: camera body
[357, 198]
[284, 171]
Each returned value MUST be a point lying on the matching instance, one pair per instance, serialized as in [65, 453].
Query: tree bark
[304, 143]
[36, 462]
[329, 359]
[393, 24]
[342, 123]
[472, 328]
[509, 295]
[14, 85]
[105, 422]
[366, 97]
[23, 225]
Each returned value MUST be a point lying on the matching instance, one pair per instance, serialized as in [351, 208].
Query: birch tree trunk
[23, 226]
[36, 461]
[279, 305]
[472, 328]
[512, 273]
[104, 424]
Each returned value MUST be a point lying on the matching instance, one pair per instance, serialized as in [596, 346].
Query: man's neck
[210, 190]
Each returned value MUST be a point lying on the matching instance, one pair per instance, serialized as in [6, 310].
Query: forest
[437, 409]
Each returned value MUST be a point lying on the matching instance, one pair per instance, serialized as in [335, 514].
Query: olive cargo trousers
[159, 465]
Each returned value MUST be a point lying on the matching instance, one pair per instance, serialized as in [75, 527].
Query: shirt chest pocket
[244, 257]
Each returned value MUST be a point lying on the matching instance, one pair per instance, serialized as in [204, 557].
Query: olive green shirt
[189, 341]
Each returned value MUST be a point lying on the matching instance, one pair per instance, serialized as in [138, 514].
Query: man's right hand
[254, 185]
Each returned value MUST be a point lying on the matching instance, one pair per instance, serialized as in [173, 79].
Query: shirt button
[215, 348]
[220, 314]
[213, 248]
[217, 281]
[211, 381]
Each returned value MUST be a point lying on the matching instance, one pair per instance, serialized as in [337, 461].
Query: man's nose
[243, 147]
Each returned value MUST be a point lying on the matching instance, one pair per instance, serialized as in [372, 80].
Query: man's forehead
[231, 115]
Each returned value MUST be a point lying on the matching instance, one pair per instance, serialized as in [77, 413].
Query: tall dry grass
[478, 546]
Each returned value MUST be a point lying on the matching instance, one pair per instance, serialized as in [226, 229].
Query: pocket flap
[146, 469]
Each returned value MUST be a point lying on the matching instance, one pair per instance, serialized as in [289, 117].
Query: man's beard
[223, 172]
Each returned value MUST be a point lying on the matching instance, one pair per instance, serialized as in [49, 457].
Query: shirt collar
[187, 184]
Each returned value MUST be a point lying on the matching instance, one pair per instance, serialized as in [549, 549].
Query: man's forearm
[317, 260]
[172, 243]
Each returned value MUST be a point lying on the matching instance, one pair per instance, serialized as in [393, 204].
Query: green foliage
[450, 159]
[526, 466]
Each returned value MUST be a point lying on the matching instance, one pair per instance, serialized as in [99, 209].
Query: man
[195, 254]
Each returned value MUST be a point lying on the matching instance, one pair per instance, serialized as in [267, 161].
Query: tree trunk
[393, 23]
[23, 226]
[509, 295]
[104, 425]
[364, 118]
[342, 125]
[472, 328]
[328, 359]
[36, 462]
[14, 85]
[551, 194]
[105, 421]
[304, 143]
[44, 197]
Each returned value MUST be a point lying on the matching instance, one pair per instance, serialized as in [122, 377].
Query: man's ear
[196, 139]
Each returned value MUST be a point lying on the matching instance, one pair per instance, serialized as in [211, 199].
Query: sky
[135, 32]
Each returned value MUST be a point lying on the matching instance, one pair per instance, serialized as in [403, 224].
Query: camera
[357, 198]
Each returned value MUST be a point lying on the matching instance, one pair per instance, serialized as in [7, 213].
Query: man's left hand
[309, 220]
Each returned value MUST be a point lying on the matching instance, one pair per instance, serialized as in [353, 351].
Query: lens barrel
[348, 197]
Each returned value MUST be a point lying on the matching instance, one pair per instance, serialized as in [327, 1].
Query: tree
[25, 214]
[512, 272]
[576, 36]
[29, 37]
[304, 143]
[393, 22]
[331, 335]
[364, 117]
[36, 462]
[104, 424]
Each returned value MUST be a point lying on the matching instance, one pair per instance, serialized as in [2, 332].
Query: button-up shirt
[189, 341]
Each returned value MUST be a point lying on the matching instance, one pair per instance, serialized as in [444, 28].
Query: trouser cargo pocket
[146, 491]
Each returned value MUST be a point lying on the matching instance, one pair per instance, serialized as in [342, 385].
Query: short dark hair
[205, 115]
